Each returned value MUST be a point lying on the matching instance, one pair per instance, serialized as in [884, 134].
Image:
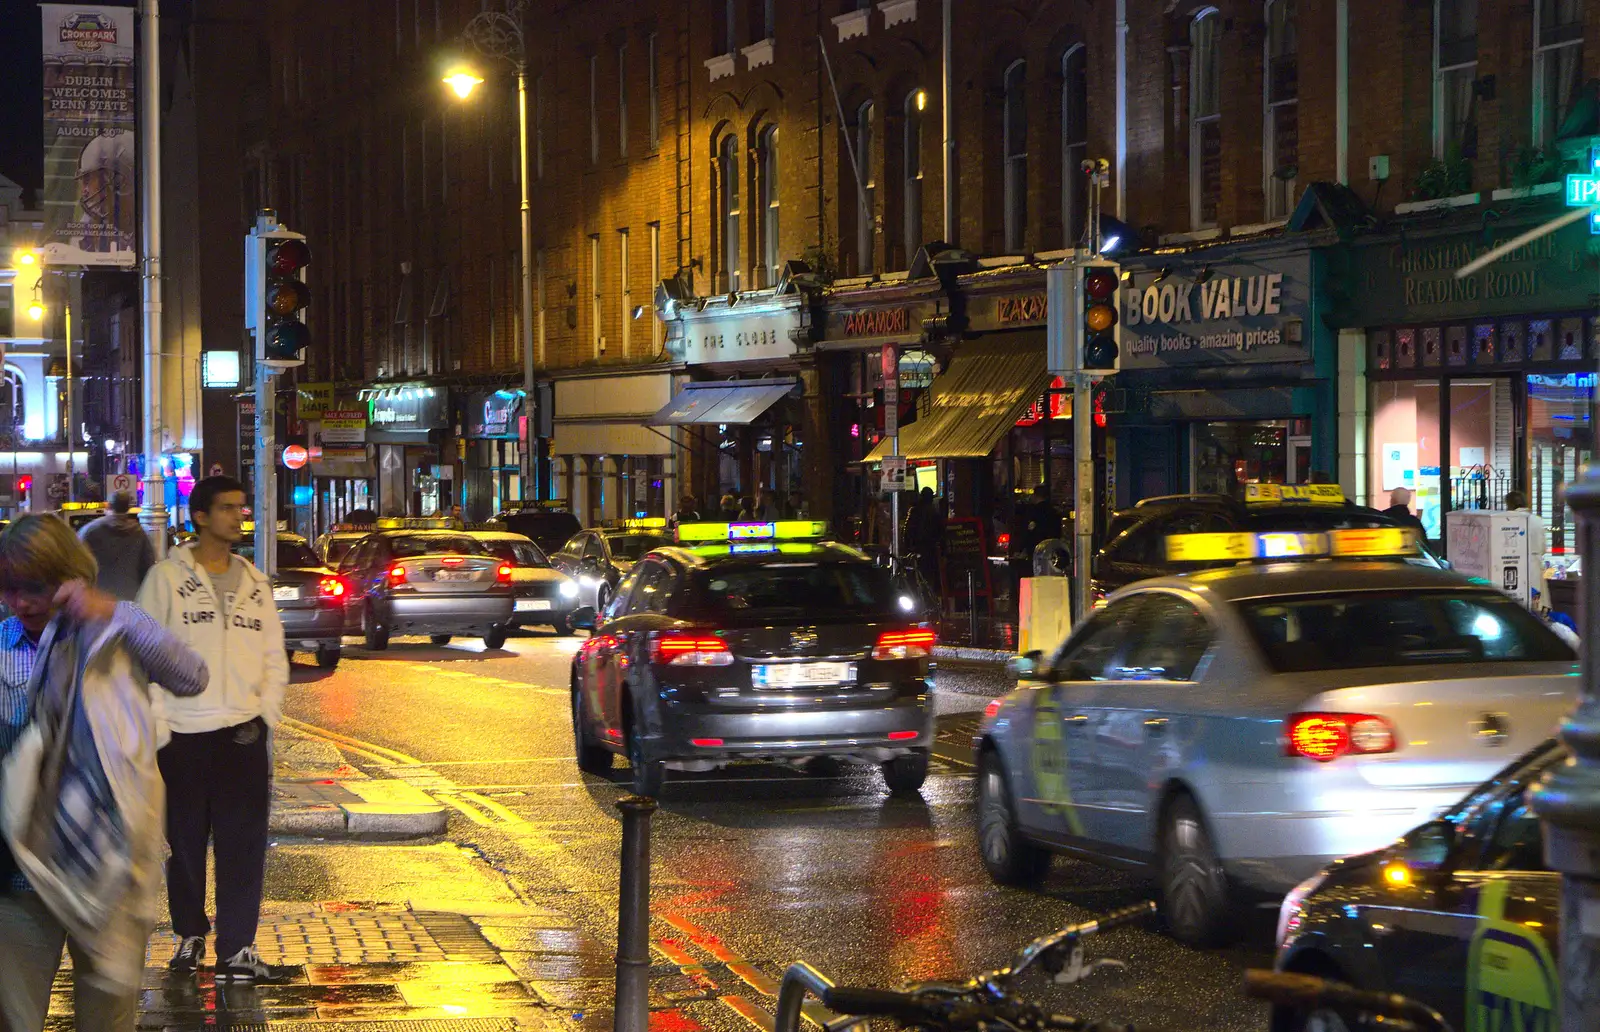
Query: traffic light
[275, 282]
[1102, 330]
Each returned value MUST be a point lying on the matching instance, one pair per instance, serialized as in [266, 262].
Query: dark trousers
[218, 793]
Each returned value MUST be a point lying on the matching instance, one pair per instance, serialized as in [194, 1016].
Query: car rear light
[503, 573]
[913, 644]
[1328, 736]
[901, 736]
[332, 588]
[692, 650]
[397, 574]
[451, 560]
[705, 743]
[993, 709]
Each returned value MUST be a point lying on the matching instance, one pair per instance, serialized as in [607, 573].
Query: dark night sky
[21, 107]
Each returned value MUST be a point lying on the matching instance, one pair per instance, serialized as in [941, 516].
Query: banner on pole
[90, 148]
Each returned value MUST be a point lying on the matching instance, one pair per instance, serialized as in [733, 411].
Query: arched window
[1557, 64]
[1205, 116]
[867, 196]
[1281, 148]
[13, 405]
[1016, 153]
[911, 188]
[1074, 145]
[771, 257]
[729, 171]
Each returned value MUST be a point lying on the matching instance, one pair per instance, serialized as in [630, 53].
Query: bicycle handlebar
[1050, 946]
[1296, 990]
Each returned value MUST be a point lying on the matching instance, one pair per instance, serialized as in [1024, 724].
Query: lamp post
[498, 35]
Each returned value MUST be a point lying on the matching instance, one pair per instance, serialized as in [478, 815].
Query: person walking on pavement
[925, 535]
[1399, 510]
[77, 713]
[686, 513]
[729, 511]
[798, 509]
[121, 549]
[1037, 522]
[218, 765]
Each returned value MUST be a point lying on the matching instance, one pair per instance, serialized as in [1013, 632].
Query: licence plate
[285, 593]
[799, 675]
[532, 605]
[453, 575]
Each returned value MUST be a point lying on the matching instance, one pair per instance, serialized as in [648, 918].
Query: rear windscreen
[827, 592]
[632, 547]
[1368, 629]
[338, 547]
[435, 544]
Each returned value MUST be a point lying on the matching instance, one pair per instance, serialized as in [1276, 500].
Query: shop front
[408, 426]
[490, 435]
[1228, 374]
[605, 463]
[1483, 385]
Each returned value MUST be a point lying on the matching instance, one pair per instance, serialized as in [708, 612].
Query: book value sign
[1217, 314]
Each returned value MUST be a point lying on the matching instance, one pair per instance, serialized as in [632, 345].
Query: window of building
[911, 177]
[597, 339]
[769, 18]
[624, 272]
[768, 185]
[1015, 145]
[655, 281]
[13, 406]
[652, 86]
[1557, 62]
[1074, 145]
[1205, 122]
[867, 196]
[1281, 148]
[1455, 70]
[622, 99]
[730, 32]
[728, 174]
[594, 108]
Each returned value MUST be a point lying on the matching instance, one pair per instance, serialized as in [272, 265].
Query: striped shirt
[165, 659]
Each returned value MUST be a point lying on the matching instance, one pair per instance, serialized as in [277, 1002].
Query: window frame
[1074, 184]
[1545, 124]
[866, 132]
[652, 91]
[768, 149]
[594, 109]
[1200, 123]
[1277, 194]
[911, 173]
[730, 215]
[1441, 74]
[1014, 161]
[622, 99]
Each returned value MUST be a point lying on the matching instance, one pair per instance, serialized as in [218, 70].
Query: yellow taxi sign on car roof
[1352, 543]
[1370, 542]
[779, 530]
[78, 506]
[1293, 494]
[419, 523]
[645, 523]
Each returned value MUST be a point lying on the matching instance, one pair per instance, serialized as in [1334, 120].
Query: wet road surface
[752, 868]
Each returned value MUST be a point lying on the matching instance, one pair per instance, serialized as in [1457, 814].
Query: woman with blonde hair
[81, 798]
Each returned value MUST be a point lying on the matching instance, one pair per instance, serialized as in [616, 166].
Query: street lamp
[497, 34]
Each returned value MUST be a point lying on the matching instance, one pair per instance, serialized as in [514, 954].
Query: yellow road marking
[748, 1011]
[466, 811]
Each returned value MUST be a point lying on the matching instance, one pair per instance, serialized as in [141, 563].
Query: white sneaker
[247, 966]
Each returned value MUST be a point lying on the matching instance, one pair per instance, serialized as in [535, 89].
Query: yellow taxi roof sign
[1293, 494]
[778, 530]
[1373, 542]
[645, 523]
[1351, 543]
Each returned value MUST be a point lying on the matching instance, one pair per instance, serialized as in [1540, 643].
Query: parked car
[311, 599]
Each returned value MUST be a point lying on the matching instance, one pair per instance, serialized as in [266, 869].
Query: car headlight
[569, 589]
[1292, 911]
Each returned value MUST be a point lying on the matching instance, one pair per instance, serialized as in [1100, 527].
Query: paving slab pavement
[317, 794]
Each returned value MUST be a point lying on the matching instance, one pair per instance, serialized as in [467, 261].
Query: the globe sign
[295, 456]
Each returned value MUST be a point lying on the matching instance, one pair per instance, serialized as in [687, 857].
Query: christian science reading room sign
[1216, 315]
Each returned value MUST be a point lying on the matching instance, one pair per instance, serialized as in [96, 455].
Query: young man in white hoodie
[218, 765]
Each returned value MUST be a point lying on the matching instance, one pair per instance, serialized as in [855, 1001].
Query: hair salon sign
[1211, 314]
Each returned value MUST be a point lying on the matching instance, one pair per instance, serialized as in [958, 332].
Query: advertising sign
[411, 408]
[344, 427]
[757, 336]
[1217, 313]
[492, 415]
[313, 399]
[90, 150]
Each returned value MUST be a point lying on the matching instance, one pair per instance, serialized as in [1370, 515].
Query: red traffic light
[1099, 283]
[25, 483]
[287, 257]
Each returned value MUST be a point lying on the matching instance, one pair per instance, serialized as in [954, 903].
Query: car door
[566, 557]
[609, 661]
[1061, 802]
[1151, 714]
[653, 583]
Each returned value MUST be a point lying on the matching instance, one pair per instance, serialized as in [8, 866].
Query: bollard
[631, 1012]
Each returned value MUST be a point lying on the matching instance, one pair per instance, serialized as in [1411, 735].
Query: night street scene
[799, 515]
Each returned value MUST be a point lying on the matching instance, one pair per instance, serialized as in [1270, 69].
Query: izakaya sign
[1217, 313]
[89, 143]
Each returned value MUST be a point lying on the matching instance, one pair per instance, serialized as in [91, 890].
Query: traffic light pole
[265, 509]
[1082, 494]
[153, 510]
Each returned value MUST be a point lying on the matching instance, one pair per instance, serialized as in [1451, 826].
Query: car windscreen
[831, 592]
[339, 547]
[1370, 629]
[632, 547]
[523, 553]
[411, 546]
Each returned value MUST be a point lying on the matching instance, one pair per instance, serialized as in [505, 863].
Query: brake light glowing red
[913, 644]
[451, 560]
[684, 649]
[901, 736]
[993, 709]
[705, 743]
[332, 587]
[397, 574]
[503, 573]
[1328, 736]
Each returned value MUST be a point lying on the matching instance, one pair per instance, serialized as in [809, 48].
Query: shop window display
[1228, 456]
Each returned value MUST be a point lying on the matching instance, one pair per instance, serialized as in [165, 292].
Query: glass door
[1560, 441]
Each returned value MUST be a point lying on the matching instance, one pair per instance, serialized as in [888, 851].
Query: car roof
[707, 556]
[1310, 577]
[497, 535]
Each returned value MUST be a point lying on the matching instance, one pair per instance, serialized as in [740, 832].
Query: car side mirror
[1026, 666]
[588, 620]
[1425, 851]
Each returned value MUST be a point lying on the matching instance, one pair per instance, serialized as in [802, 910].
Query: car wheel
[648, 773]
[439, 639]
[1008, 856]
[1194, 888]
[377, 634]
[905, 774]
[562, 625]
[593, 758]
[328, 657]
[495, 639]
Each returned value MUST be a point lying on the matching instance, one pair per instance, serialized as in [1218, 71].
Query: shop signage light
[1583, 190]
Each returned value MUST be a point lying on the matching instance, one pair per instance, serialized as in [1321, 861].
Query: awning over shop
[722, 401]
[986, 389]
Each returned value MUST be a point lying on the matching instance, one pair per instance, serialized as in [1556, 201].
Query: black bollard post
[631, 1012]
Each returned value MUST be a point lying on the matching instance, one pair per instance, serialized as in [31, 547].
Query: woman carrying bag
[81, 798]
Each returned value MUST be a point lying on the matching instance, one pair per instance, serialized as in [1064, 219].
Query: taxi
[598, 559]
[1462, 914]
[335, 543]
[1234, 730]
[78, 515]
[544, 595]
[755, 641]
[311, 598]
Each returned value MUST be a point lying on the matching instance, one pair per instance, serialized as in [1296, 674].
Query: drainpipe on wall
[1342, 90]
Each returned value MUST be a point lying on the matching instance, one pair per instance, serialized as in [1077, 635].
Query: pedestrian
[218, 765]
[925, 535]
[1400, 510]
[1037, 521]
[729, 509]
[1516, 501]
[121, 549]
[766, 507]
[76, 668]
[747, 509]
[686, 513]
[798, 509]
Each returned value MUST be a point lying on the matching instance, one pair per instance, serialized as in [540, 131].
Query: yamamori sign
[1194, 313]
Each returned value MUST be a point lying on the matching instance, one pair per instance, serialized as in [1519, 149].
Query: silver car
[1242, 727]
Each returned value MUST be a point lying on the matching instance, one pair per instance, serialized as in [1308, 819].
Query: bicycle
[991, 1003]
